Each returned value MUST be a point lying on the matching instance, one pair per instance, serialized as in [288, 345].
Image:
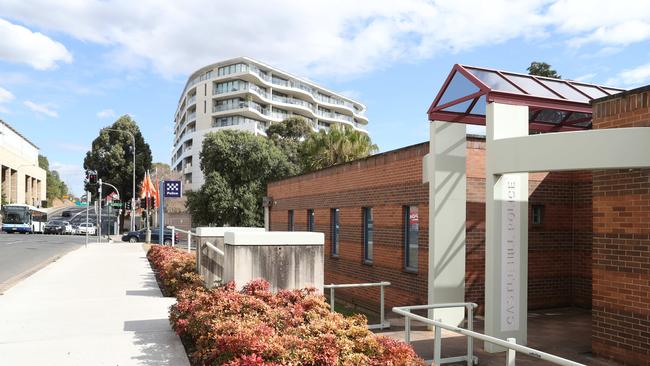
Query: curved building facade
[248, 95]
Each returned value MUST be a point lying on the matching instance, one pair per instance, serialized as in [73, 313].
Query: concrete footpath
[98, 305]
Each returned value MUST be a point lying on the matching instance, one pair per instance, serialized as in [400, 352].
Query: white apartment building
[248, 95]
[21, 179]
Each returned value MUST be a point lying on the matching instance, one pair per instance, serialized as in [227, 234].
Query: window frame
[368, 227]
[540, 209]
[408, 267]
[335, 231]
[291, 223]
[311, 219]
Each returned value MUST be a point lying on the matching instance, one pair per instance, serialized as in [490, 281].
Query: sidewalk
[98, 305]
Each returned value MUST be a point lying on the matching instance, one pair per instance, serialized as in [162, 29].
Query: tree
[288, 135]
[338, 145]
[542, 69]
[54, 186]
[237, 167]
[111, 156]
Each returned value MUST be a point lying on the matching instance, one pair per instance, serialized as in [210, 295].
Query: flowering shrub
[176, 268]
[255, 327]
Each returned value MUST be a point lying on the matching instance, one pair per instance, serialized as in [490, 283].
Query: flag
[156, 193]
[147, 188]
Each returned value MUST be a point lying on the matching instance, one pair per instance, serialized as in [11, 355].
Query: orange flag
[156, 193]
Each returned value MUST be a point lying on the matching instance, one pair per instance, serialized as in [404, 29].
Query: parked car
[66, 214]
[141, 236]
[87, 227]
[67, 228]
[55, 227]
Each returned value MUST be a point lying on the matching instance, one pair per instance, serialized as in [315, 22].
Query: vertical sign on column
[510, 252]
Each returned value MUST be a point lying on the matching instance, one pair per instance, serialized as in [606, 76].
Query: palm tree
[339, 145]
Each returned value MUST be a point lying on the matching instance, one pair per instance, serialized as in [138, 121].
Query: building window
[335, 213]
[368, 230]
[290, 221]
[205, 89]
[311, 226]
[205, 106]
[538, 214]
[411, 235]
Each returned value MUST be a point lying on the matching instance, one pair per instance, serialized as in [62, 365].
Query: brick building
[587, 242]
[391, 182]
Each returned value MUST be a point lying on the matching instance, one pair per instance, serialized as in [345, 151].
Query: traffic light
[91, 176]
[127, 205]
[143, 203]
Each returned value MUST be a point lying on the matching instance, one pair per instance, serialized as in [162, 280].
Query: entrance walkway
[98, 305]
[563, 332]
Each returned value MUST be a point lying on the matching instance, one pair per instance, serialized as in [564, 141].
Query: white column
[445, 170]
[506, 232]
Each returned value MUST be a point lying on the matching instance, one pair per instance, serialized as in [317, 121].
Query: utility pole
[99, 221]
[87, 206]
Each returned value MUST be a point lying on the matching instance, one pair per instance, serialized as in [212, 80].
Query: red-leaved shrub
[176, 268]
[255, 327]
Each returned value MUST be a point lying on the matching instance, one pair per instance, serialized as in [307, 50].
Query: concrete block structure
[549, 209]
[21, 179]
[288, 260]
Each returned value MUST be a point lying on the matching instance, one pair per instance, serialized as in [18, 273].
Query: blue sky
[66, 70]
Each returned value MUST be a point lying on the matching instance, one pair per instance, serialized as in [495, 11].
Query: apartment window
[368, 230]
[311, 225]
[411, 235]
[538, 214]
[231, 69]
[230, 86]
[335, 213]
[205, 106]
[290, 226]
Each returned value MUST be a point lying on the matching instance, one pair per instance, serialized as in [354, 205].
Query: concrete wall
[209, 263]
[287, 260]
[21, 180]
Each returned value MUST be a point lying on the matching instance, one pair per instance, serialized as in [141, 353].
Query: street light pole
[133, 197]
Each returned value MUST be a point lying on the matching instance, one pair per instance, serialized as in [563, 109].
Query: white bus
[22, 218]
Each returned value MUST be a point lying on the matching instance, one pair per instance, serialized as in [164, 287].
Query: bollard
[189, 241]
[173, 235]
[332, 298]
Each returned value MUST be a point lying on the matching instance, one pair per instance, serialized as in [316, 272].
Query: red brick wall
[389, 181]
[621, 243]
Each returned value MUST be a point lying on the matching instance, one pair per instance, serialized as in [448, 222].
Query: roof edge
[19, 134]
[641, 89]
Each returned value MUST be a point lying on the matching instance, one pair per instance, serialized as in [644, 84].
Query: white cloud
[323, 38]
[106, 113]
[5, 95]
[45, 109]
[632, 77]
[20, 45]
[314, 38]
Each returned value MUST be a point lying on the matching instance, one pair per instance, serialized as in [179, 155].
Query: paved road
[20, 254]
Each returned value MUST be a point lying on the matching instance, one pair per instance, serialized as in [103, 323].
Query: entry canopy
[554, 105]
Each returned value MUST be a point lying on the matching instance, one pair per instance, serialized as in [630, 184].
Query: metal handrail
[215, 249]
[510, 344]
[383, 322]
[189, 236]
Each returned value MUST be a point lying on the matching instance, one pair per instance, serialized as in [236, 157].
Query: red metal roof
[554, 104]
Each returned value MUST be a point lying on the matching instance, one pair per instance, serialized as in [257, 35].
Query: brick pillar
[621, 243]
[28, 189]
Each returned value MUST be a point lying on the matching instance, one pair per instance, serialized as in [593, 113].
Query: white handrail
[189, 236]
[215, 249]
[382, 318]
[509, 344]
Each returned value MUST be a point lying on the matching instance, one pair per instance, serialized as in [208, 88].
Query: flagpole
[148, 204]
